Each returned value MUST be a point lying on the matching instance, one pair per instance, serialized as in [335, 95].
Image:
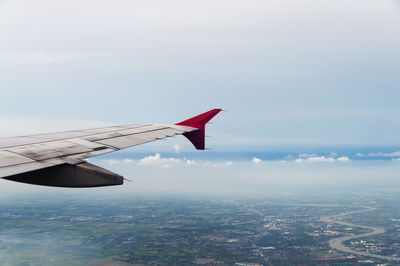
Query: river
[337, 243]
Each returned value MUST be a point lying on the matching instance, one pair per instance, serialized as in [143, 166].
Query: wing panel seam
[62, 139]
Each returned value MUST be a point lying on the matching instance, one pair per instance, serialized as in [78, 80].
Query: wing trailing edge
[197, 137]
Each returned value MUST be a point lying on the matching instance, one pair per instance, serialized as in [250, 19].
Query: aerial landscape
[229, 132]
[151, 230]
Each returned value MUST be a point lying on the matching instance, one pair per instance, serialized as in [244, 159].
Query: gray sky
[295, 72]
[308, 73]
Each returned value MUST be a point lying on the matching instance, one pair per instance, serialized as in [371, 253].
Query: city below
[359, 228]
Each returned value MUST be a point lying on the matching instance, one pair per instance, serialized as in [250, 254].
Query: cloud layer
[157, 160]
[322, 159]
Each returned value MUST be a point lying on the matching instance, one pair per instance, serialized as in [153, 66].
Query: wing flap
[8, 158]
[43, 151]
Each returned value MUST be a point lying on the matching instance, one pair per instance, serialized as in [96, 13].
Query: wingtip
[199, 121]
[197, 137]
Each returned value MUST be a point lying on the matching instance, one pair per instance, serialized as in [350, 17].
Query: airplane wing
[58, 159]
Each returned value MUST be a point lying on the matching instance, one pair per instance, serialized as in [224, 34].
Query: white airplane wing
[58, 159]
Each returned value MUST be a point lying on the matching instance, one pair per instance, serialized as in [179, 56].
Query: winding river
[337, 243]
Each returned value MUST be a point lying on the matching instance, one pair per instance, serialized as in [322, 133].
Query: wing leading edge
[58, 159]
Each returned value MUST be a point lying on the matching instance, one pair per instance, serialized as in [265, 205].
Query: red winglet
[199, 121]
[197, 137]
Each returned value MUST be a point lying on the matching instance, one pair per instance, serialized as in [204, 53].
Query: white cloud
[343, 159]
[190, 162]
[333, 156]
[151, 159]
[316, 159]
[157, 160]
[256, 160]
[50, 57]
[321, 159]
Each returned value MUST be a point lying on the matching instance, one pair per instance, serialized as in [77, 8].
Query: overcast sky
[310, 71]
[291, 73]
